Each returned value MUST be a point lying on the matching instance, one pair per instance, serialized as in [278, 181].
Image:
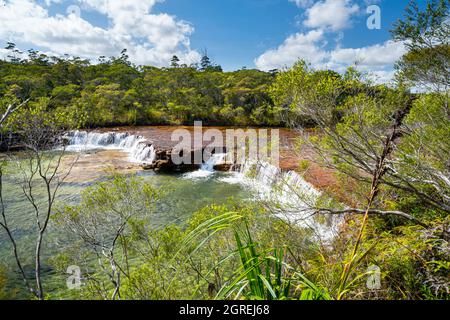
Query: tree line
[388, 149]
[116, 92]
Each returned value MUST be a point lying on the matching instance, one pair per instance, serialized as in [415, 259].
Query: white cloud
[376, 59]
[330, 17]
[302, 3]
[306, 46]
[5, 53]
[149, 38]
[49, 2]
[378, 55]
[371, 2]
[382, 76]
[331, 14]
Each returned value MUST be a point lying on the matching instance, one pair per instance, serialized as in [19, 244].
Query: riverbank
[292, 157]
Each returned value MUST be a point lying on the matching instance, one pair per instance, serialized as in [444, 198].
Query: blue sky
[235, 32]
[262, 34]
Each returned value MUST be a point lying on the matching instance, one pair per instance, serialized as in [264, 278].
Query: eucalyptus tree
[382, 138]
[175, 62]
[378, 135]
[426, 35]
[422, 165]
[40, 133]
[103, 222]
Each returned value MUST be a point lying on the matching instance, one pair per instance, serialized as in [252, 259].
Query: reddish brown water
[291, 155]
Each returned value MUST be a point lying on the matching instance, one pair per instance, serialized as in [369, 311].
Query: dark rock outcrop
[164, 161]
[224, 167]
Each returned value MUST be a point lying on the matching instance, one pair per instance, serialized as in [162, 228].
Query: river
[189, 192]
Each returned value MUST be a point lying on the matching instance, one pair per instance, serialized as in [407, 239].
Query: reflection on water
[185, 194]
[183, 198]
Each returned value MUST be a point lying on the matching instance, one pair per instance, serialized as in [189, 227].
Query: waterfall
[288, 194]
[285, 187]
[214, 160]
[207, 168]
[135, 146]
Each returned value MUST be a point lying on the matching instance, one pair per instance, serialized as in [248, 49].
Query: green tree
[175, 62]
[426, 35]
[15, 53]
[103, 222]
[205, 62]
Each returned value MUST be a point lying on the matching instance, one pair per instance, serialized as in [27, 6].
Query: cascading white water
[289, 194]
[288, 191]
[272, 182]
[214, 160]
[207, 168]
[136, 146]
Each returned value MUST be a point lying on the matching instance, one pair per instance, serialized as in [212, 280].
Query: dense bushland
[115, 92]
[389, 150]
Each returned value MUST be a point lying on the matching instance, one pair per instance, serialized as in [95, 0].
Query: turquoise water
[185, 194]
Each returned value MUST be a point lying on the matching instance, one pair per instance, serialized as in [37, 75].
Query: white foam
[207, 169]
[288, 194]
[135, 146]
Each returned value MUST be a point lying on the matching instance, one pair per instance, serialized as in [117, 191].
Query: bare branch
[372, 212]
[10, 110]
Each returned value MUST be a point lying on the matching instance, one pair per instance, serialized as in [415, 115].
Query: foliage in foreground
[124, 256]
[241, 252]
[384, 139]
